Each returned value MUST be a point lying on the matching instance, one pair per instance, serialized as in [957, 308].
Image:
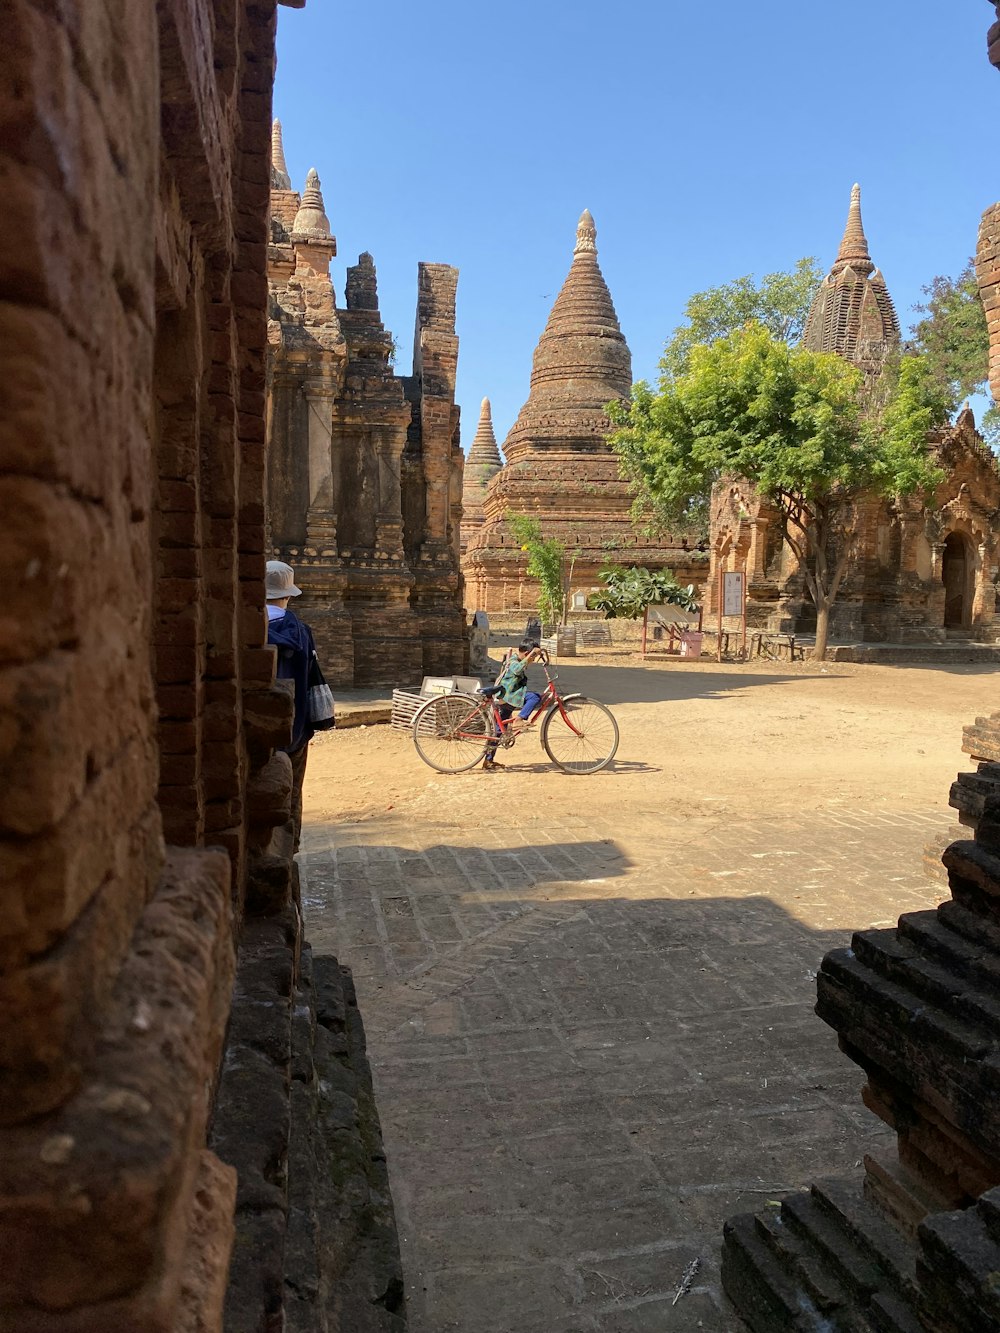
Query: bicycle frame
[551, 698]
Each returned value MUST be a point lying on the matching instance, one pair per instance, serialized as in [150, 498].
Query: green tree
[791, 422]
[548, 563]
[779, 301]
[954, 338]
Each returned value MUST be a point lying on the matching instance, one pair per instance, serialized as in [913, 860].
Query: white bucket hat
[279, 581]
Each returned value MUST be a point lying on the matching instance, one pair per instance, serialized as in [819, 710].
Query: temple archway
[957, 571]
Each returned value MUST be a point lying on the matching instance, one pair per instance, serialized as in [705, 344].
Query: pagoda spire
[854, 252]
[311, 219]
[484, 451]
[586, 234]
[280, 179]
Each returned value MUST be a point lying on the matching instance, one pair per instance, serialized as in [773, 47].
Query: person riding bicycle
[512, 686]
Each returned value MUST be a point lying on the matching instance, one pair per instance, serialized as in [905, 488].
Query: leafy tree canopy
[790, 421]
[779, 301]
[954, 339]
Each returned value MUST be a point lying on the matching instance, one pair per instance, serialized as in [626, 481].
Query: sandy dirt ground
[699, 739]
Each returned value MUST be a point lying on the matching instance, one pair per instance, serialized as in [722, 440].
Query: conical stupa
[481, 466]
[311, 220]
[852, 313]
[280, 179]
[558, 467]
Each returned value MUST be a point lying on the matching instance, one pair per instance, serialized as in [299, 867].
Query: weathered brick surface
[988, 271]
[558, 467]
[134, 163]
[364, 466]
[131, 1133]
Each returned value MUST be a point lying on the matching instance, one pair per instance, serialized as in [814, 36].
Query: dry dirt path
[589, 1000]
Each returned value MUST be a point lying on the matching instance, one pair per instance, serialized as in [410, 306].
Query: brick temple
[364, 465]
[925, 572]
[559, 468]
[188, 1139]
[852, 313]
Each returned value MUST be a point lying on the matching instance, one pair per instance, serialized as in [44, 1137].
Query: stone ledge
[97, 1197]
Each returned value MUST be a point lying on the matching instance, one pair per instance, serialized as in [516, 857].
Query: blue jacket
[296, 650]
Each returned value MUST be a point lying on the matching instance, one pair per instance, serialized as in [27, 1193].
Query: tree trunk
[822, 628]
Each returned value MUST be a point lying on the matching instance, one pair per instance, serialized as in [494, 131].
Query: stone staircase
[912, 1246]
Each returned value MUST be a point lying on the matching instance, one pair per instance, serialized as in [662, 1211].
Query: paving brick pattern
[593, 1043]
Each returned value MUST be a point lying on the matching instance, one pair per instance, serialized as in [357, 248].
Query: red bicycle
[452, 732]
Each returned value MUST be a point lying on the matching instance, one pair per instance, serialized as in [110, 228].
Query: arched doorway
[956, 574]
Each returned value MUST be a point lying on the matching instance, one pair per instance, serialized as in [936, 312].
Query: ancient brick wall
[988, 250]
[138, 711]
[364, 468]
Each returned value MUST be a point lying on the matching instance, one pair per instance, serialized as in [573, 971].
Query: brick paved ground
[594, 1042]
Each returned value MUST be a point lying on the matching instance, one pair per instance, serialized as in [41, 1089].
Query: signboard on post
[732, 593]
[732, 602]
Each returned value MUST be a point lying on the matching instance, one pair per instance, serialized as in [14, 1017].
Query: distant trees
[792, 423]
[954, 339]
[779, 302]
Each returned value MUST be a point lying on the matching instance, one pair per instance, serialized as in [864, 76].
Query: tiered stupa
[852, 314]
[559, 467]
[481, 466]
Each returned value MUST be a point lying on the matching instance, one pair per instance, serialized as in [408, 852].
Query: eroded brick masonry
[364, 465]
[157, 1127]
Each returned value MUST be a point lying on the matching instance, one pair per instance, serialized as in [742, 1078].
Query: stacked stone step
[981, 740]
[911, 1246]
[316, 1246]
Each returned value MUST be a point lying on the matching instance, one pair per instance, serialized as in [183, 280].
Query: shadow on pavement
[598, 1081]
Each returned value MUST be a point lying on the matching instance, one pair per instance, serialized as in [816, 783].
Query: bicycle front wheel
[580, 735]
[451, 732]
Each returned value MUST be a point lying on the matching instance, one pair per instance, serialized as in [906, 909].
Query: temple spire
[484, 450]
[311, 219]
[280, 179]
[854, 251]
[586, 234]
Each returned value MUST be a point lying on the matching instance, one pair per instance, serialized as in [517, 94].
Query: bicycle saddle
[488, 691]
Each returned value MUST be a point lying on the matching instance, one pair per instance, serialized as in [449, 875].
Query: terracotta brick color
[364, 465]
[558, 467]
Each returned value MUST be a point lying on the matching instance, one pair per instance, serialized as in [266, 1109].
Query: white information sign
[732, 594]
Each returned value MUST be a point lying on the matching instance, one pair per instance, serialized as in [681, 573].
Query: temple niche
[559, 468]
[923, 573]
[364, 465]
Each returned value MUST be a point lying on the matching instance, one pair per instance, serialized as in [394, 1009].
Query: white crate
[404, 706]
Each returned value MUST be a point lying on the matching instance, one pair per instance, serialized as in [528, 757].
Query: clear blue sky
[708, 139]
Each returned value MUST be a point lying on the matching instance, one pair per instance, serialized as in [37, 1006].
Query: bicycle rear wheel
[580, 735]
[451, 731]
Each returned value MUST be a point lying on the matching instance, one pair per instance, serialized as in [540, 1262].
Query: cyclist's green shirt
[514, 681]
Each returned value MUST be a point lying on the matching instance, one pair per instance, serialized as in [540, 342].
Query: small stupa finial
[280, 179]
[586, 234]
[311, 219]
[484, 451]
[854, 246]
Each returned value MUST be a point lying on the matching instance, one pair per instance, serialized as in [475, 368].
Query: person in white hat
[296, 650]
